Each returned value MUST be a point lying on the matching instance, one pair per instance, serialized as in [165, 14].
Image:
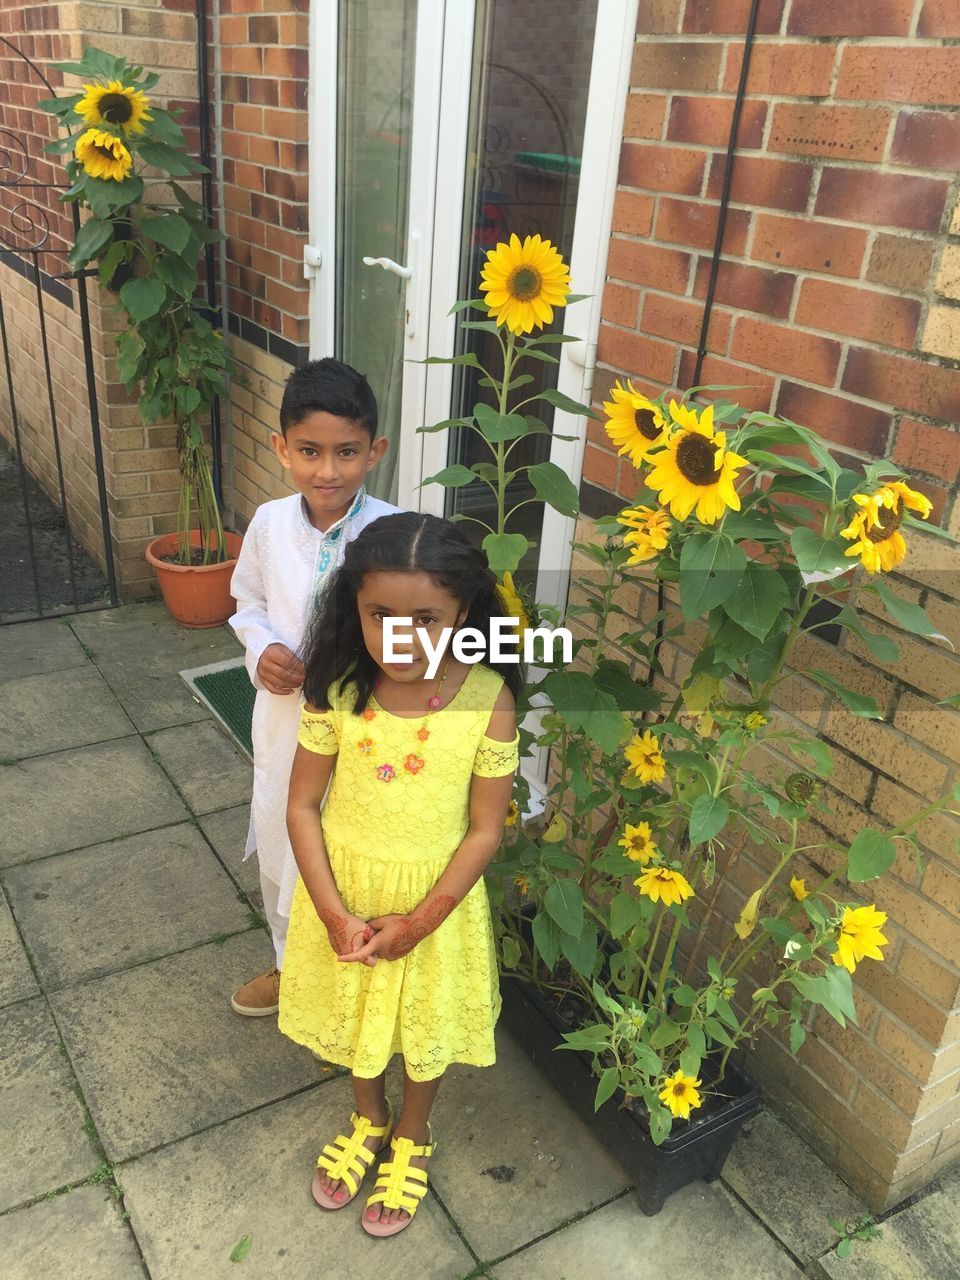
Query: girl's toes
[373, 1214]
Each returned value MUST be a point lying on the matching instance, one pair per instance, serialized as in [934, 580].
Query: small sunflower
[695, 469]
[634, 423]
[680, 1094]
[875, 528]
[114, 106]
[748, 916]
[513, 603]
[103, 155]
[798, 887]
[523, 885]
[754, 720]
[859, 936]
[524, 282]
[638, 843]
[513, 814]
[647, 535]
[645, 757]
[661, 884]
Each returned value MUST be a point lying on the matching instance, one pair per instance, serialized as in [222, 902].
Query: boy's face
[405, 595]
[328, 459]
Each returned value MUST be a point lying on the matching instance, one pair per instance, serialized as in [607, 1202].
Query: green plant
[864, 1229]
[126, 157]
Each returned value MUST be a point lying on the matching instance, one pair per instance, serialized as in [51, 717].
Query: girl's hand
[395, 936]
[346, 933]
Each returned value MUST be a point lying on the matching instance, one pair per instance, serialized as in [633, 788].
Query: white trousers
[276, 922]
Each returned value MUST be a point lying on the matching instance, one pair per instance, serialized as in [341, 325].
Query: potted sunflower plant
[126, 160]
[679, 897]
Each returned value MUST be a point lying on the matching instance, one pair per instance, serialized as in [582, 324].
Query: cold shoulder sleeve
[320, 730]
[496, 759]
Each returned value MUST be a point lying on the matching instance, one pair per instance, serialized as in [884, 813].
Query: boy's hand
[280, 670]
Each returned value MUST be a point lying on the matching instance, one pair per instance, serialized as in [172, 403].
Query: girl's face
[405, 595]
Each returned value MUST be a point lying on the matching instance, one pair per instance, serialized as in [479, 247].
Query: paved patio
[145, 1128]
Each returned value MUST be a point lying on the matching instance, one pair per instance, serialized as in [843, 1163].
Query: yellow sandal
[399, 1185]
[348, 1160]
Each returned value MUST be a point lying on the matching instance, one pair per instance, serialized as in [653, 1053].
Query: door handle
[388, 264]
[405, 273]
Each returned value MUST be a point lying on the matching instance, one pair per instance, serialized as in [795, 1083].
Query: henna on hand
[414, 928]
[336, 927]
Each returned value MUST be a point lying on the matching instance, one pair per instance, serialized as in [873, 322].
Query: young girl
[390, 948]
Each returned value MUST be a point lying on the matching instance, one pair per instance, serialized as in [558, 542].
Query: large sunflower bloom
[524, 282]
[114, 106]
[648, 533]
[634, 423]
[875, 529]
[680, 1094]
[663, 885]
[645, 757]
[103, 155]
[638, 843]
[859, 936]
[695, 469]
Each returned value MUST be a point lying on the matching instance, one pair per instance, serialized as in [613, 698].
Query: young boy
[327, 443]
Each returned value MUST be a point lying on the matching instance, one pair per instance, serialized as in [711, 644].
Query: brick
[600, 468]
[681, 320]
[909, 1004]
[785, 350]
[948, 276]
[645, 115]
[748, 288]
[808, 243]
[679, 67]
[942, 885]
[285, 124]
[658, 17]
[928, 139]
[292, 64]
[919, 387]
[636, 354]
[859, 313]
[929, 76]
[708, 121]
[620, 305]
[827, 1066]
[658, 167]
[815, 129]
[941, 333]
[759, 181]
[900, 262]
[633, 213]
[855, 18]
[930, 974]
[892, 1082]
[754, 387]
[846, 422]
[665, 269]
[263, 29]
[884, 748]
[920, 446]
[729, 17]
[882, 199]
[806, 68]
[939, 18]
[694, 223]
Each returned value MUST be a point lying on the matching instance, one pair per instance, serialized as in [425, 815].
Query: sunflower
[103, 155]
[638, 843]
[635, 424]
[513, 814]
[695, 469]
[754, 720]
[513, 603]
[859, 936]
[648, 533]
[680, 1094]
[114, 106]
[798, 887]
[645, 757]
[524, 282]
[748, 916]
[663, 885]
[875, 528]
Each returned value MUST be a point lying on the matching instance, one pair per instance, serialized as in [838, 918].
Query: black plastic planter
[695, 1150]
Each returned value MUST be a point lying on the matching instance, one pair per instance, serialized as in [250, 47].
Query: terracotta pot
[196, 596]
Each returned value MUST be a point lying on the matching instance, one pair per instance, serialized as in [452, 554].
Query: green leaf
[91, 238]
[189, 400]
[667, 1033]
[504, 551]
[543, 356]
[860, 704]
[711, 568]
[629, 694]
[473, 304]
[564, 902]
[143, 298]
[453, 477]
[871, 854]
[759, 600]
[168, 229]
[696, 1039]
[554, 486]
[609, 1084]
[161, 156]
[625, 912]
[661, 1123]
[560, 401]
[546, 935]
[468, 358]
[581, 949]
[180, 275]
[908, 616]
[797, 1037]
[510, 951]
[844, 1247]
[241, 1248]
[690, 1062]
[784, 462]
[717, 1031]
[708, 817]
[881, 646]
[818, 559]
[446, 425]
[497, 427]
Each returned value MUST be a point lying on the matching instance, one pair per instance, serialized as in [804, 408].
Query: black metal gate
[55, 549]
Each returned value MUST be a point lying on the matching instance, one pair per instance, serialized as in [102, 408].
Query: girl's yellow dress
[397, 809]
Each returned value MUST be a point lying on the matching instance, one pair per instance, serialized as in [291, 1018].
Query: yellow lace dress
[397, 809]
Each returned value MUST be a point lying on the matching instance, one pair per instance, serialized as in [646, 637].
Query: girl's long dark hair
[408, 542]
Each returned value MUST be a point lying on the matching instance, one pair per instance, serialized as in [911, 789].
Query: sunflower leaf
[554, 486]
[498, 427]
[871, 854]
[91, 238]
[711, 569]
[761, 596]
[546, 935]
[609, 1083]
[452, 477]
[504, 551]
[564, 402]
[168, 229]
[708, 817]
[906, 615]
[859, 703]
[143, 298]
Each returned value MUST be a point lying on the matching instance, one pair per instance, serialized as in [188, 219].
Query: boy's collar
[333, 533]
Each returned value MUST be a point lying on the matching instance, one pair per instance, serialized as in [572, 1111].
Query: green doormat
[225, 688]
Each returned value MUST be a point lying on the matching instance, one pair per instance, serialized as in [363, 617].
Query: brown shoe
[259, 997]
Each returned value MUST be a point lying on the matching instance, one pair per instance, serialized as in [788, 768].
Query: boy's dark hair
[409, 542]
[328, 386]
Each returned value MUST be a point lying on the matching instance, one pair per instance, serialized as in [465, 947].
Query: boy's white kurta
[282, 570]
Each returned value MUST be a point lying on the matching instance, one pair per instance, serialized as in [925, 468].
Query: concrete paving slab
[43, 1144]
[16, 977]
[58, 710]
[701, 1231]
[76, 1236]
[227, 832]
[160, 1054]
[97, 910]
[516, 1160]
[192, 1202]
[81, 797]
[919, 1243]
[208, 770]
[787, 1187]
[29, 648]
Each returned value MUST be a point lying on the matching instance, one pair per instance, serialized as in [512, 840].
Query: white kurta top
[281, 572]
